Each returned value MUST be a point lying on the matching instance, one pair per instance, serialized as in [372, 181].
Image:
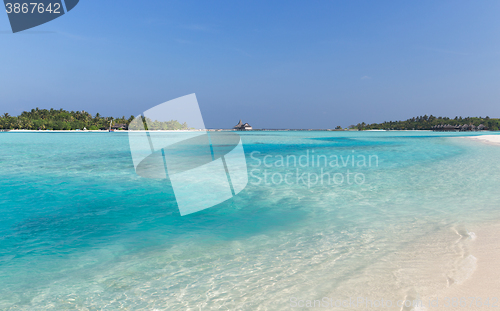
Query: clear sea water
[79, 230]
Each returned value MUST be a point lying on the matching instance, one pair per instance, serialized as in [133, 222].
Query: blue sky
[274, 64]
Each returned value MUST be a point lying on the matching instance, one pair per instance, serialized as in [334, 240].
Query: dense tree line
[43, 119]
[427, 122]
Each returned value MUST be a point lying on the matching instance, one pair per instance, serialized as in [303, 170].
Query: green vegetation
[427, 122]
[52, 119]
[157, 125]
[43, 119]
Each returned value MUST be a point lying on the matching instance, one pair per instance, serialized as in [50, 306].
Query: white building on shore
[242, 127]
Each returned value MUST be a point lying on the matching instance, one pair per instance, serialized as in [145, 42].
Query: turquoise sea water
[79, 229]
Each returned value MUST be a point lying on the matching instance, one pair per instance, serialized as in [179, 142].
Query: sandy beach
[480, 289]
[481, 267]
[489, 139]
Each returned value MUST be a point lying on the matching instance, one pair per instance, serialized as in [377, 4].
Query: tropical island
[44, 119]
[435, 123]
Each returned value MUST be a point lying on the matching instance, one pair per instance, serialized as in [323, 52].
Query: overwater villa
[242, 127]
[459, 128]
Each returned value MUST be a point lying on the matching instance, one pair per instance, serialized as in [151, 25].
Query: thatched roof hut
[242, 127]
[119, 126]
[239, 125]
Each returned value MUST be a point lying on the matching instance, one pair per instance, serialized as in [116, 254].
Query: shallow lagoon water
[79, 229]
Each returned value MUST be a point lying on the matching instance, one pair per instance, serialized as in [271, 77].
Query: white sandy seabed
[472, 279]
[484, 281]
[478, 284]
[490, 139]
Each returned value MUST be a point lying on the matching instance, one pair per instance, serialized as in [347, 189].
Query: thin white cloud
[443, 51]
[243, 52]
[182, 41]
[198, 27]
